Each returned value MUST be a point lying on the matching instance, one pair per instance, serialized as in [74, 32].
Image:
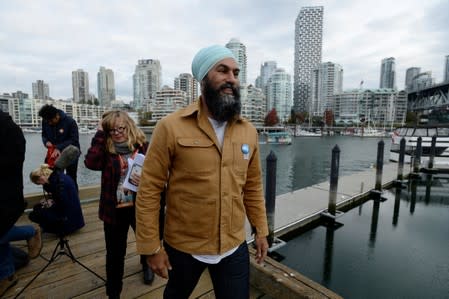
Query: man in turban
[207, 156]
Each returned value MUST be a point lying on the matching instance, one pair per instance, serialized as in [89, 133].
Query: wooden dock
[65, 279]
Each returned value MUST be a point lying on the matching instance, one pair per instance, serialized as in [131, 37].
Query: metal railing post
[270, 194]
[335, 163]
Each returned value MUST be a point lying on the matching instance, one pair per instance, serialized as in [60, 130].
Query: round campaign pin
[245, 148]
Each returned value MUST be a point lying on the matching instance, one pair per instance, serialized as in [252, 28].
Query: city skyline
[117, 34]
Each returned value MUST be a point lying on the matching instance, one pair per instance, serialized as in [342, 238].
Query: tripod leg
[73, 258]
[51, 260]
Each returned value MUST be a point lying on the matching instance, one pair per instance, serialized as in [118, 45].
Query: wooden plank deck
[65, 279]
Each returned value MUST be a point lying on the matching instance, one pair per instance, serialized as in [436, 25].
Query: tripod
[61, 248]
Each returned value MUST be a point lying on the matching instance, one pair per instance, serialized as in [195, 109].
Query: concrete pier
[300, 207]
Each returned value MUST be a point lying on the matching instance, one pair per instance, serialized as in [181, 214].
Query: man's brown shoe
[7, 283]
[35, 244]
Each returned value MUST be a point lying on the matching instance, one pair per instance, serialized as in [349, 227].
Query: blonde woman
[64, 214]
[117, 139]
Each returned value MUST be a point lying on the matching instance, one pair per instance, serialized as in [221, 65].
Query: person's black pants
[230, 277]
[116, 236]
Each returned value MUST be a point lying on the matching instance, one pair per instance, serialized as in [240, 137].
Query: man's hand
[261, 248]
[48, 144]
[159, 263]
[56, 153]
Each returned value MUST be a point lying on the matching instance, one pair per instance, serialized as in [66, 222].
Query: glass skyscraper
[105, 86]
[239, 51]
[388, 73]
[308, 48]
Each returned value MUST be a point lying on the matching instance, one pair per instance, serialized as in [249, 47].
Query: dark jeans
[230, 277]
[116, 236]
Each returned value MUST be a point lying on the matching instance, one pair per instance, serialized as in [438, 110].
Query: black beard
[222, 107]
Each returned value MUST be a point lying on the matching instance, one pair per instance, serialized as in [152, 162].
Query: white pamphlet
[134, 167]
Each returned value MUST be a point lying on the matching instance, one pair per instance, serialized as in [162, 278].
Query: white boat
[411, 134]
[369, 132]
[299, 131]
[85, 130]
[283, 137]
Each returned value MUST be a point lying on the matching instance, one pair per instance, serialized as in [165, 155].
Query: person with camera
[60, 212]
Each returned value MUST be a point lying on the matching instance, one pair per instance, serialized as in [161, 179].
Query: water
[304, 163]
[393, 249]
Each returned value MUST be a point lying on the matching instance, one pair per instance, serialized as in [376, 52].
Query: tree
[292, 119]
[301, 117]
[272, 118]
[411, 118]
[329, 117]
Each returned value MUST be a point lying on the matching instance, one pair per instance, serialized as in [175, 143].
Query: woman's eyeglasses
[117, 130]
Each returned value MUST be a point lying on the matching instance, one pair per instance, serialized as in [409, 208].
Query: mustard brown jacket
[210, 189]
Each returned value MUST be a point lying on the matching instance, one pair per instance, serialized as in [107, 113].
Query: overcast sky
[48, 39]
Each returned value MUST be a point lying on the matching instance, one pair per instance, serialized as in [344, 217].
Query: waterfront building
[410, 74]
[41, 90]
[308, 48]
[388, 73]
[166, 101]
[6, 103]
[279, 94]
[327, 80]
[25, 112]
[239, 50]
[80, 86]
[446, 69]
[105, 86]
[422, 81]
[189, 85]
[254, 108]
[20, 95]
[147, 80]
[378, 107]
[266, 70]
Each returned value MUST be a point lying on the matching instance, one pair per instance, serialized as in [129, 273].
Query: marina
[302, 196]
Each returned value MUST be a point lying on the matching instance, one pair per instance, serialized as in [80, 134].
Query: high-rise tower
[105, 86]
[410, 74]
[187, 83]
[147, 80]
[327, 81]
[80, 86]
[388, 73]
[239, 51]
[266, 70]
[308, 47]
[279, 94]
[41, 90]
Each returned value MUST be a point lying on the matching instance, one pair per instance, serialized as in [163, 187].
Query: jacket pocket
[197, 156]
[238, 214]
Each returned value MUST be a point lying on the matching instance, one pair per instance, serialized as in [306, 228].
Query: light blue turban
[207, 57]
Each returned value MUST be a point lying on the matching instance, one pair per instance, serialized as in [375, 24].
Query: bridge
[434, 97]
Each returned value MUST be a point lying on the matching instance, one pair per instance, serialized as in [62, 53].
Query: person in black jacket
[12, 204]
[59, 131]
